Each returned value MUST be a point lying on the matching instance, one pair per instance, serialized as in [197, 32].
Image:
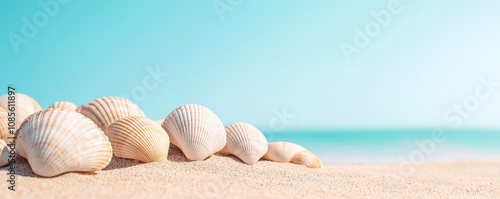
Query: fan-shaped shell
[4, 153]
[56, 141]
[106, 110]
[196, 130]
[64, 105]
[25, 105]
[5, 130]
[290, 152]
[245, 142]
[138, 138]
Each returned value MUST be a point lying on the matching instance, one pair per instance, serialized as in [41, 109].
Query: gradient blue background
[263, 56]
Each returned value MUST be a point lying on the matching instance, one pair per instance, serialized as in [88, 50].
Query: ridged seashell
[196, 130]
[64, 105]
[56, 141]
[4, 126]
[25, 105]
[290, 152]
[138, 138]
[106, 110]
[245, 142]
[4, 153]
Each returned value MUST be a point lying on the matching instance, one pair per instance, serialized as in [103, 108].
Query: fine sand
[227, 177]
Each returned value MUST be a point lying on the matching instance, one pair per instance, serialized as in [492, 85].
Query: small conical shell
[290, 152]
[138, 138]
[64, 105]
[196, 130]
[245, 142]
[25, 105]
[4, 153]
[56, 141]
[106, 110]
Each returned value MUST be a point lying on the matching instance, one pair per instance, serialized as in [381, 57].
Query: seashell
[79, 109]
[64, 105]
[196, 130]
[245, 142]
[25, 105]
[106, 110]
[5, 130]
[56, 141]
[138, 138]
[290, 152]
[4, 153]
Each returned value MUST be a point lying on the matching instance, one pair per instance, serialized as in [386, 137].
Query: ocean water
[395, 146]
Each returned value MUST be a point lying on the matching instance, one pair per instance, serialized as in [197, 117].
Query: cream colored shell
[25, 105]
[245, 142]
[290, 152]
[106, 110]
[4, 153]
[64, 105]
[196, 130]
[56, 141]
[138, 138]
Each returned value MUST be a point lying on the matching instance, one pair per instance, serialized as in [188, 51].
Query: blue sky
[263, 57]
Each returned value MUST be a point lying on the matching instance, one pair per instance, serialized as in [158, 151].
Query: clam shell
[196, 130]
[138, 138]
[56, 141]
[106, 110]
[4, 153]
[25, 105]
[64, 105]
[245, 142]
[290, 152]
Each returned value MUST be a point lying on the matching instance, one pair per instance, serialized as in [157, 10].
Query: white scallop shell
[56, 141]
[290, 152]
[24, 105]
[245, 142]
[6, 132]
[64, 105]
[106, 110]
[196, 130]
[138, 138]
[4, 153]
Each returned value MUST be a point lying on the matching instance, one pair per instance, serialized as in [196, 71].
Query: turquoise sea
[395, 146]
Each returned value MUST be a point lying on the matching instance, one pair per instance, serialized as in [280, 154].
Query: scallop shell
[25, 105]
[106, 110]
[56, 141]
[138, 138]
[64, 105]
[4, 153]
[5, 131]
[245, 142]
[196, 130]
[290, 152]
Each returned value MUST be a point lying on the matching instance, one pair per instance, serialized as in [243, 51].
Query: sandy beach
[227, 177]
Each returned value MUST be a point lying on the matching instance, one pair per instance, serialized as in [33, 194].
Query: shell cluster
[64, 138]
